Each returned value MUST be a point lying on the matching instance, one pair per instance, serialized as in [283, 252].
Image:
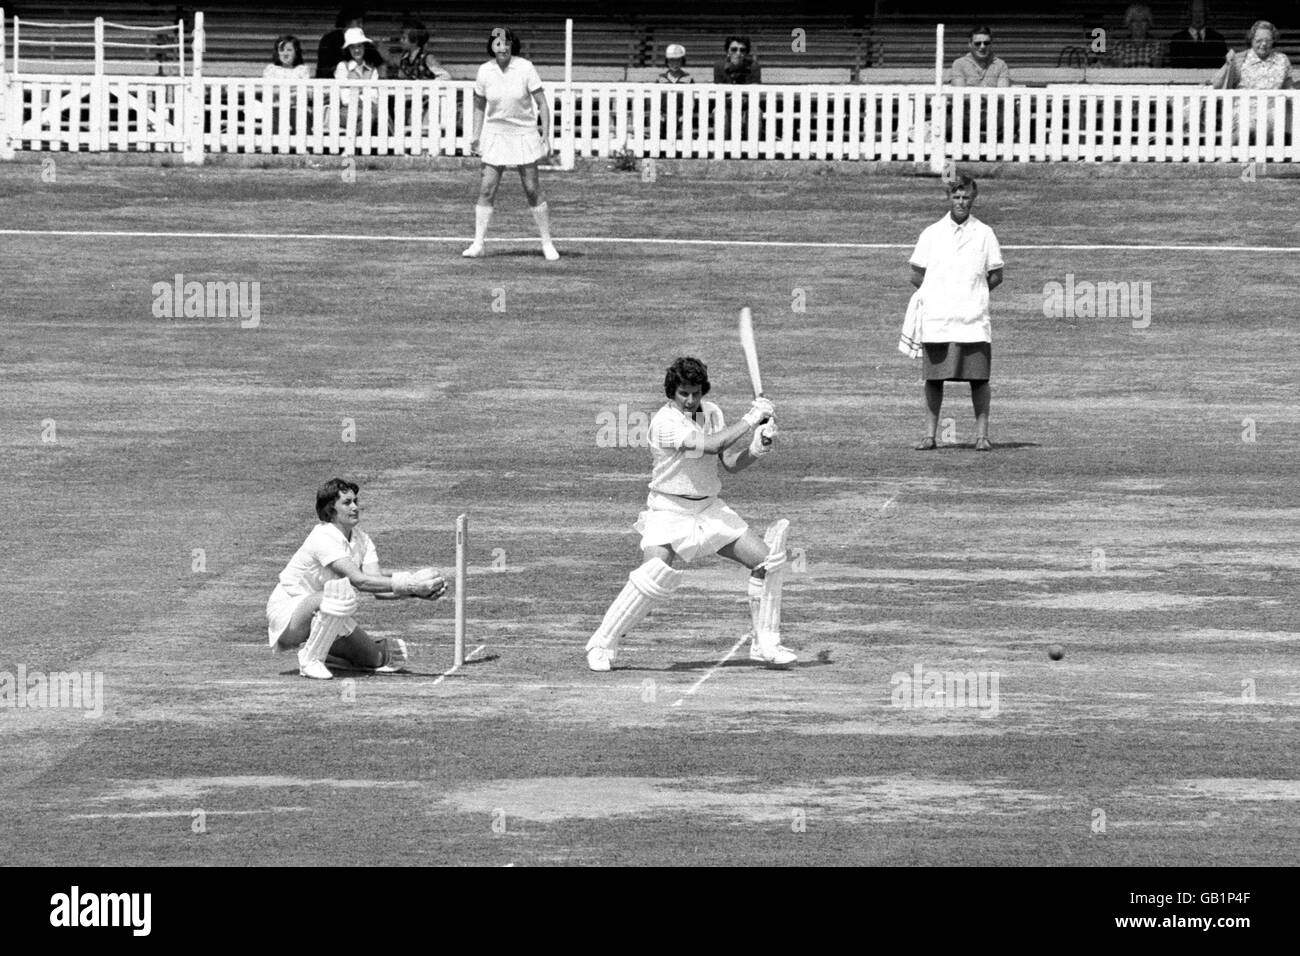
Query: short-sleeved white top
[955, 291]
[509, 94]
[309, 568]
[680, 468]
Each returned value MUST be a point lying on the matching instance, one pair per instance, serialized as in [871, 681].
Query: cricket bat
[750, 348]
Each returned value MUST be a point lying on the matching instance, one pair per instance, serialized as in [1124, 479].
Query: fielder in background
[508, 99]
[685, 518]
[313, 605]
[956, 264]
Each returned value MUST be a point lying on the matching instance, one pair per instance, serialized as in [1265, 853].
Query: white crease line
[456, 667]
[696, 685]
[630, 240]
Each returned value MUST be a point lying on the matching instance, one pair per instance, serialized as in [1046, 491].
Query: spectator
[980, 67]
[1259, 68]
[416, 62]
[358, 67]
[286, 61]
[737, 66]
[1139, 48]
[1198, 46]
[675, 60]
[333, 51]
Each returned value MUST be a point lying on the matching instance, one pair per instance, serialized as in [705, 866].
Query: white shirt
[509, 94]
[955, 291]
[680, 468]
[309, 568]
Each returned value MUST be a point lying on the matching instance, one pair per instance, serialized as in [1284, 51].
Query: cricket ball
[1056, 652]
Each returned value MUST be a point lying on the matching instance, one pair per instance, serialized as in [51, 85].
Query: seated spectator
[1197, 46]
[1259, 68]
[1139, 48]
[980, 67]
[675, 60]
[416, 62]
[333, 50]
[286, 61]
[737, 66]
[357, 67]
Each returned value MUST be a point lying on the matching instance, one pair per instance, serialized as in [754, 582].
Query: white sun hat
[355, 35]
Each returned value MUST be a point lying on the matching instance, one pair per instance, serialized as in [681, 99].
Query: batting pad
[767, 625]
[652, 582]
[332, 621]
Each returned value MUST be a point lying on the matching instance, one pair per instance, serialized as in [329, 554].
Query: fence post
[938, 109]
[7, 111]
[192, 98]
[566, 104]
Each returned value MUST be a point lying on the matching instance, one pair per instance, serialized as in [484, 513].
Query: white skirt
[690, 528]
[279, 613]
[510, 148]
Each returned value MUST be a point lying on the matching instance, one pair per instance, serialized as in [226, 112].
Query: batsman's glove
[761, 443]
[759, 412]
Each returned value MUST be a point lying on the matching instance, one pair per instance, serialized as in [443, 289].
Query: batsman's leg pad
[652, 582]
[767, 626]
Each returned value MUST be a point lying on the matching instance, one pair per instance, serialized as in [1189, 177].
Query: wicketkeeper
[685, 518]
[312, 607]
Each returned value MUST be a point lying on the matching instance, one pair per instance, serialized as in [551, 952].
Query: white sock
[652, 582]
[482, 217]
[542, 215]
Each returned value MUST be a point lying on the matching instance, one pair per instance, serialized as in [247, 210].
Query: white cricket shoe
[397, 656]
[475, 251]
[777, 656]
[599, 659]
[313, 669]
[549, 250]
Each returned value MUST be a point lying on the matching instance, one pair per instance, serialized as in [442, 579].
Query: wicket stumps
[462, 543]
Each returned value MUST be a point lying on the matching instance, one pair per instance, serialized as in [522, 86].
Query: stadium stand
[834, 46]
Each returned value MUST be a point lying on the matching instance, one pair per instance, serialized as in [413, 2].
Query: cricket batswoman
[685, 519]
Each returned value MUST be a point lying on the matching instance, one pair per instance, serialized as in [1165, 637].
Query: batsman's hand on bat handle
[761, 443]
[760, 411]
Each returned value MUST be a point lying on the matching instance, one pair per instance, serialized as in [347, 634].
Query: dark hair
[347, 15]
[509, 35]
[281, 41]
[419, 33]
[329, 494]
[963, 182]
[978, 29]
[686, 370]
[743, 41]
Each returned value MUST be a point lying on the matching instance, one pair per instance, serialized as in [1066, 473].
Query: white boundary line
[632, 241]
[456, 667]
[696, 685]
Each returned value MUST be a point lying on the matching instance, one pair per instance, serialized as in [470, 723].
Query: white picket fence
[198, 114]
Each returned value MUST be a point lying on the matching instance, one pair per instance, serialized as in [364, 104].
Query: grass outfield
[1124, 514]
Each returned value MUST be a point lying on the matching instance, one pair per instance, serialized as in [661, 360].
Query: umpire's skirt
[956, 361]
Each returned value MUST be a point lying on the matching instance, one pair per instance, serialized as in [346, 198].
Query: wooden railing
[772, 122]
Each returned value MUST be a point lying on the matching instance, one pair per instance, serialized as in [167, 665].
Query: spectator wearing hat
[333, 51]
[675, 60]
[358, 67]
